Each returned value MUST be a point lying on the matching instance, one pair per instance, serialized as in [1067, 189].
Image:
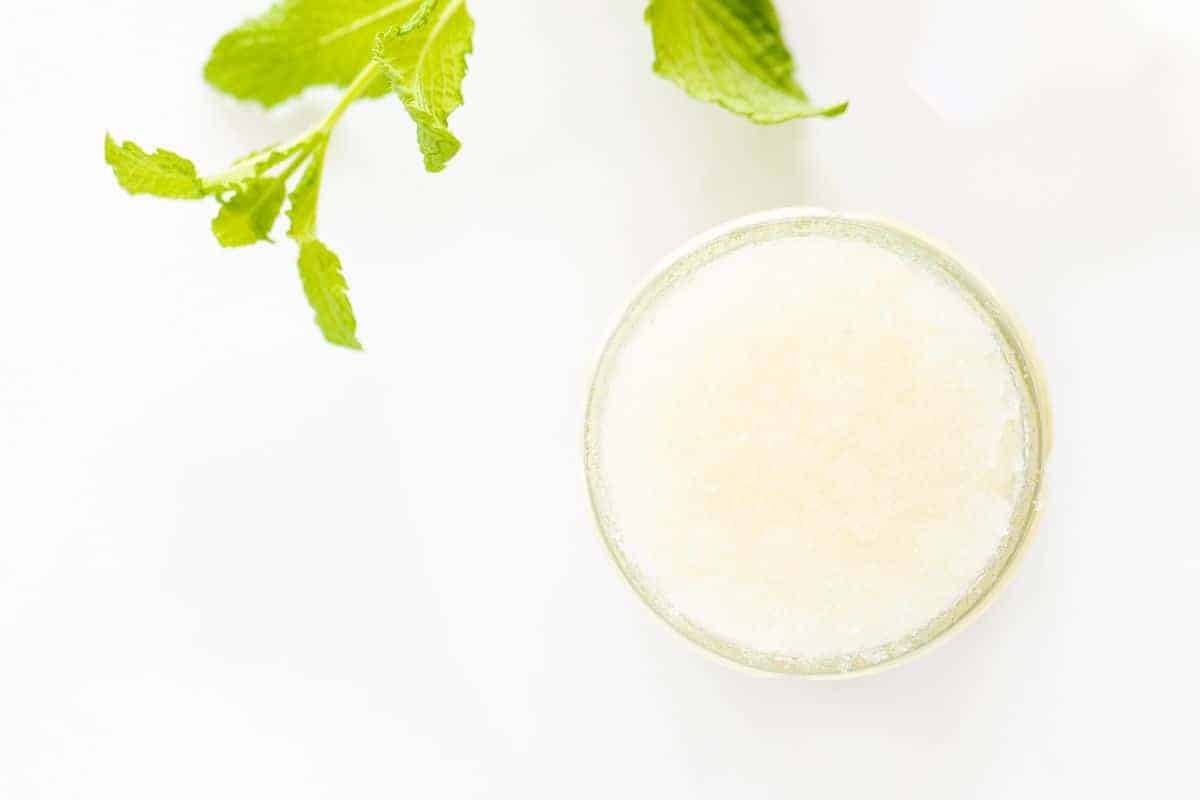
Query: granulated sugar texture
[810, 446]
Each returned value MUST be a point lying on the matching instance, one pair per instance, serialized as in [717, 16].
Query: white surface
[235, 562]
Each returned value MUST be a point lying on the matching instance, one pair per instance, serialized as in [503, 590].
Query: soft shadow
[936, 721]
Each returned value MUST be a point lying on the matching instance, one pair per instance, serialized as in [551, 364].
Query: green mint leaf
[325, 288]
[302, 43]
[730, 52]
[320, 268]
[160, 173]
[248, 216]
[425, 63]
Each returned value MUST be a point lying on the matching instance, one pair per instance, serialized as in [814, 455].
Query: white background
[238, 563]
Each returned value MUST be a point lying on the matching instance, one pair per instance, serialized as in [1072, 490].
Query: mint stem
[353, 92]
[302, 144]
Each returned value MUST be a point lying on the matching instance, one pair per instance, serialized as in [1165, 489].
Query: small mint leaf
[325, 287]
[248, 216]
[161, 173]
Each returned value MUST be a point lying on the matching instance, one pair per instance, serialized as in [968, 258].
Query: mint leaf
[248, 216]
[302, 43]
[730, 52]
[325, 288]
[425, 62]
[160, 173]
[320, 268]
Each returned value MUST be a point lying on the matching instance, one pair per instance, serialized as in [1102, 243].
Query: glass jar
[798, 222]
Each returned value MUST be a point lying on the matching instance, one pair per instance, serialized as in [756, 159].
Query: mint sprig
[730, 52]
[423, 60]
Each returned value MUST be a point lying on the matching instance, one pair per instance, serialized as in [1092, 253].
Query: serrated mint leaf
[325, 288]
[320, 268]
[425, 65]
[730, 52]
[160, 173]
[248, 216]
[302, 43]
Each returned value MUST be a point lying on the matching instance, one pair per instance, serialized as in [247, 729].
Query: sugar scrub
[814, 443]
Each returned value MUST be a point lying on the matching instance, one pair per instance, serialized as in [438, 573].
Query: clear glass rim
[791, 222]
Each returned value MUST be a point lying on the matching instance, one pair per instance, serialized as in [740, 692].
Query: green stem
[300, 158]
[302, 144]
[354, 91]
